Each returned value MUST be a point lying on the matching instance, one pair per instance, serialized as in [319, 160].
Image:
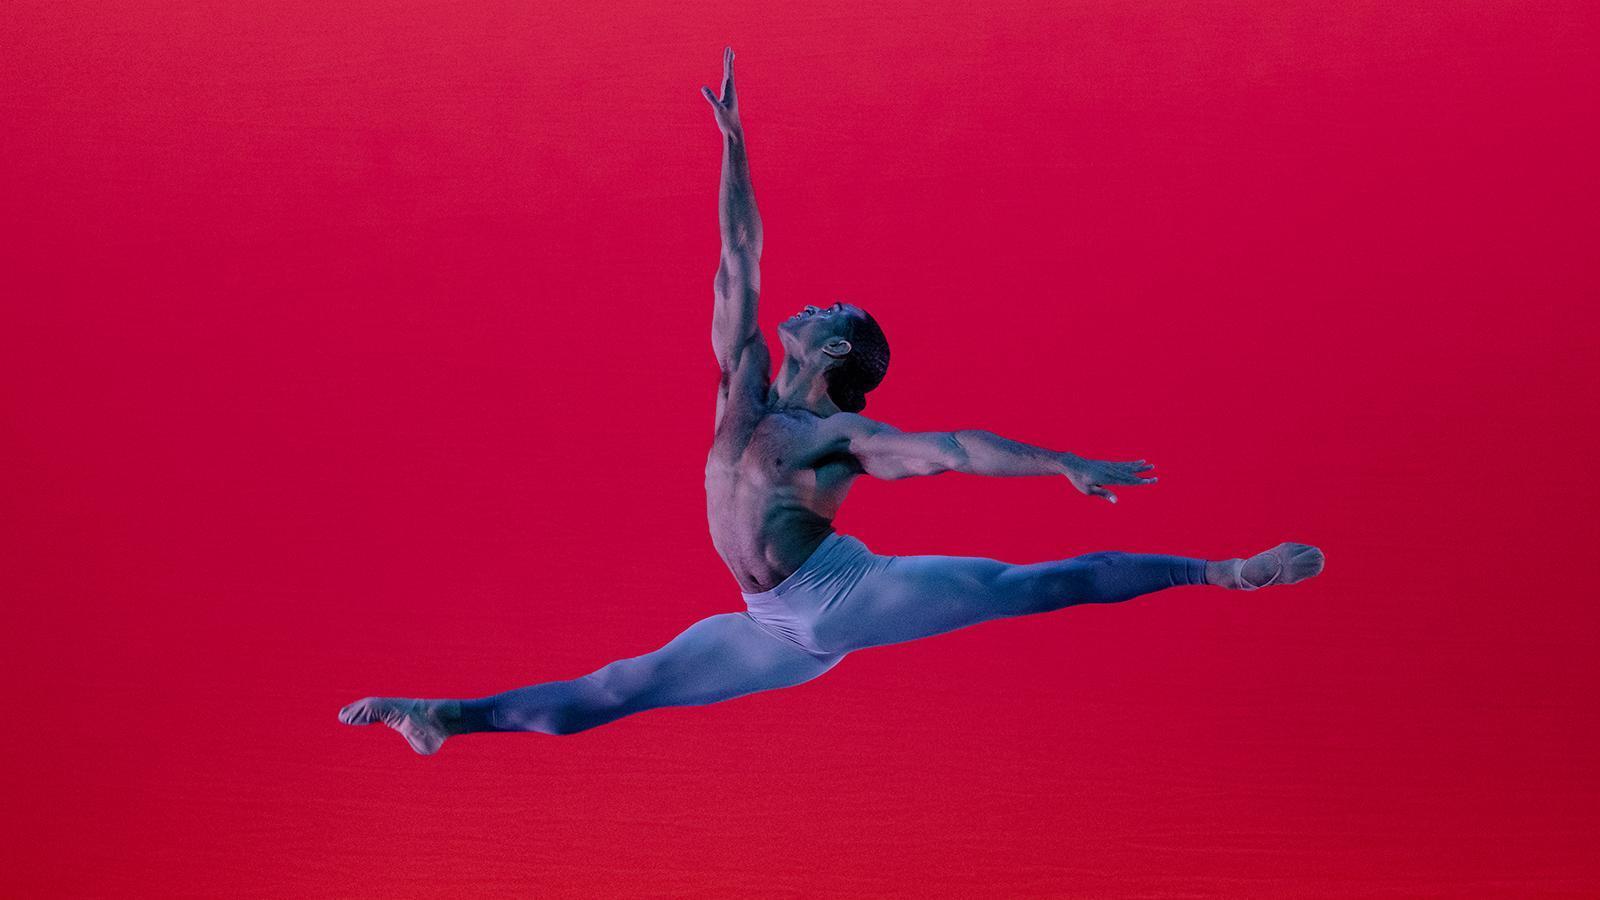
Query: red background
[355, 349]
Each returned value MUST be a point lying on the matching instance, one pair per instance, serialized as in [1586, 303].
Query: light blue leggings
[843, 598]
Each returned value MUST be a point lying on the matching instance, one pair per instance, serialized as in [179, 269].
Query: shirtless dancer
[783, 457]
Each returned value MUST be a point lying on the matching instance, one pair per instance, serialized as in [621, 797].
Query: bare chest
[781, 452]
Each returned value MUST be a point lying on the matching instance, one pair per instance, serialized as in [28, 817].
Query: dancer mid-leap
[783, 457]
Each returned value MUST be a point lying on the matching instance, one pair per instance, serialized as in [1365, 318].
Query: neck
[801, 386]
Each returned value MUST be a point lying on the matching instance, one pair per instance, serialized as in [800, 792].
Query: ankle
[1223, 572]
[468, 716]
[449, 715]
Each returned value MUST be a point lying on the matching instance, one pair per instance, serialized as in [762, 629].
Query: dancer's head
[845, 343]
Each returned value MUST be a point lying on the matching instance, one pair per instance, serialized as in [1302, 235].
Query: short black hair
[863, 368]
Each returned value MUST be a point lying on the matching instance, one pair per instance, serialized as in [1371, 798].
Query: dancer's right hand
[726, 108]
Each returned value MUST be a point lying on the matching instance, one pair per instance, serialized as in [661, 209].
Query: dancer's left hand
[1090, 476]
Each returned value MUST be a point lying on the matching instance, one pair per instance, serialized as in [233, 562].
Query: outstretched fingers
[725, 101]
[1100, 475]
[726, 107]
[1133, 473]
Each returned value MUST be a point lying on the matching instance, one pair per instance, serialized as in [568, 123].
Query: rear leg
[715, 659]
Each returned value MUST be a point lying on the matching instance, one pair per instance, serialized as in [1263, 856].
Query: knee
[1090, 578]
[1102, 556]
[566, 720]
[593, 700]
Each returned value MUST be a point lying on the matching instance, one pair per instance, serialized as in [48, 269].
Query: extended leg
[715, 659]
[910, 597]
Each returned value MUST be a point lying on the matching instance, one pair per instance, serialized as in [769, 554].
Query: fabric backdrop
[363, 348]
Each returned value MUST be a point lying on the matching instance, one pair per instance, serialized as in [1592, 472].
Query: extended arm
[738, 282]
[886, 452]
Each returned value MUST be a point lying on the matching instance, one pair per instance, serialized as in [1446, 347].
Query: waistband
[831, 546]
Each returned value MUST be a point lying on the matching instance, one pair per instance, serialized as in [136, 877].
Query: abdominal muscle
[771, 496]
[764, 535]
[764, 524]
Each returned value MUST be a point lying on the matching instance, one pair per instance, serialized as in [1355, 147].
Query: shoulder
[848, 425]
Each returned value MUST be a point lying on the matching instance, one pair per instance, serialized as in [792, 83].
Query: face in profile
[813, 328]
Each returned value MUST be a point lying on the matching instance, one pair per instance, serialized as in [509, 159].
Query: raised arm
[884, 451]
[738, 282]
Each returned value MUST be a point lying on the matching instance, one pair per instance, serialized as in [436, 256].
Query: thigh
[714, 659]
[910, 597]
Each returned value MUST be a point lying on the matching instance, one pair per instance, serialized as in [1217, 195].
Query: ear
[838, 348]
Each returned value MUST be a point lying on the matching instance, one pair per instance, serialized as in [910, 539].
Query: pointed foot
[1286, 563]
[417, 721]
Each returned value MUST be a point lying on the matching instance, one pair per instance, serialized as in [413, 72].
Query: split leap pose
[784, 454]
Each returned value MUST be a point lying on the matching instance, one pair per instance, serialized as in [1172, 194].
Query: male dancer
[784, 454]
